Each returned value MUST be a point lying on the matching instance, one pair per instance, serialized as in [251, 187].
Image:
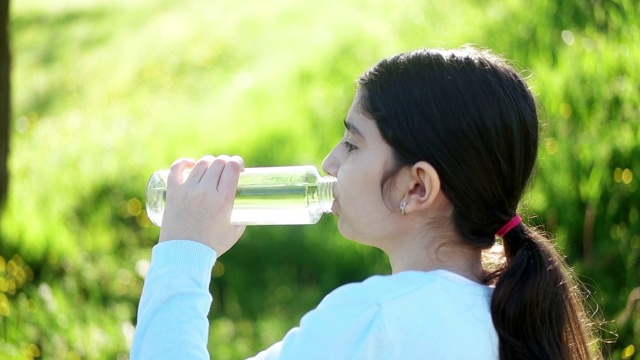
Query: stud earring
[403, 205]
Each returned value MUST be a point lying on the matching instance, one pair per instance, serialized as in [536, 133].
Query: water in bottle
[285, 195]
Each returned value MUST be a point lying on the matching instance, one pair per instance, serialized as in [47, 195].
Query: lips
[335, 207]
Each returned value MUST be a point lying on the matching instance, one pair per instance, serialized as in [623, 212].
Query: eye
[350, 147]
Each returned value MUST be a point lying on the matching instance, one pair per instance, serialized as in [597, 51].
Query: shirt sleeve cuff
[184, 254]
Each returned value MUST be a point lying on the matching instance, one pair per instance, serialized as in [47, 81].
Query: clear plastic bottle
[285, 195]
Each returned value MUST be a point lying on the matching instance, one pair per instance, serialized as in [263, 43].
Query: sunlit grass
[104, 93]
[115, 91]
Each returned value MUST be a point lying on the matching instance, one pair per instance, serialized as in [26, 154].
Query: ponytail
[536, 306]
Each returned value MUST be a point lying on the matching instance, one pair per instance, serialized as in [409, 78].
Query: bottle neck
[325, 193]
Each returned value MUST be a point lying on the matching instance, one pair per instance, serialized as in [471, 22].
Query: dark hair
[473, 118]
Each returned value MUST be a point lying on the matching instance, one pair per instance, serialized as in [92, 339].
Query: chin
[344, 229]
[348, 232]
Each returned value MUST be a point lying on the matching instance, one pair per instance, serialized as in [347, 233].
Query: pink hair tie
[508, 226]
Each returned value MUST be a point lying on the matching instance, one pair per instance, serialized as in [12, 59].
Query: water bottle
[285, 195]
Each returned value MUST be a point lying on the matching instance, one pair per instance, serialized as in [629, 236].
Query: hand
[199, 208]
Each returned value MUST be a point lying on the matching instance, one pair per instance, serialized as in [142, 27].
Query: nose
[330, 163]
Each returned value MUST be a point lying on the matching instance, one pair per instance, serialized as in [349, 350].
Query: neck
[446, 253]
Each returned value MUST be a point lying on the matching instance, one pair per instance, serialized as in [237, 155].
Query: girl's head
[469, 115]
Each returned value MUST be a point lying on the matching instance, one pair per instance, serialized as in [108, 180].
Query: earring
[403, 205]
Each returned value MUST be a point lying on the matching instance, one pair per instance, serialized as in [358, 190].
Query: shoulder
[387, 289]
[429, 300]
[421, 312]
[401, 316]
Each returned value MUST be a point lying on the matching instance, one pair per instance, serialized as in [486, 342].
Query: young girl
[437, 152]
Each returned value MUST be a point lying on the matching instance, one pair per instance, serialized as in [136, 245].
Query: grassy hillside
[106, 92]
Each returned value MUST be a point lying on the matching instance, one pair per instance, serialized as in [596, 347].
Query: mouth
[335, 207]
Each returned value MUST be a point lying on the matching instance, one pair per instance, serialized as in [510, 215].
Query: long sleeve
[175, 302]
[410, 315]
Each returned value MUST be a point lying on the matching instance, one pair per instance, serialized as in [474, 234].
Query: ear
[422, 187]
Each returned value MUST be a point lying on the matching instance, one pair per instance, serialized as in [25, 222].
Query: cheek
[361, 212]
[358, 190]
[348, 182]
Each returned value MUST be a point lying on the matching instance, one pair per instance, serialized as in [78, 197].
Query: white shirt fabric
[408, 315]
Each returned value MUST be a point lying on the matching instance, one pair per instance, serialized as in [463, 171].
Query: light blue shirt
[409, 315]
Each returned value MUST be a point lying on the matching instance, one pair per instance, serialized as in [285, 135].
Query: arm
[173, 324]
[172, 315]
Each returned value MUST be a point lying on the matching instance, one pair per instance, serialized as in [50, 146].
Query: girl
[437, 152]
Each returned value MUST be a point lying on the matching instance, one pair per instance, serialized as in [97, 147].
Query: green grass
[105, 93]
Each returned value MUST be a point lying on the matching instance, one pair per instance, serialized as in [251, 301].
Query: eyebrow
[352, 129]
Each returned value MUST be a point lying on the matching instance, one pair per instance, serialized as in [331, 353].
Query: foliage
[107, 92]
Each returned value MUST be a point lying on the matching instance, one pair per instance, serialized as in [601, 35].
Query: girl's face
[359, 161]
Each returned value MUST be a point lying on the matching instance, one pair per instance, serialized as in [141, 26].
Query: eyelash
[350, 147]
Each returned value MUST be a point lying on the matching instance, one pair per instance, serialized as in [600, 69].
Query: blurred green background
[106, 92]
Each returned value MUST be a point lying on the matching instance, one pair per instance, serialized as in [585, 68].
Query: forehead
[358, 121]
[356, 105]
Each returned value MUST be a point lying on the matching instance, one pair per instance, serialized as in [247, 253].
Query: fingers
[228, 181]
[200, 168]
[223, 171]
[176, 172]
[215, 170]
